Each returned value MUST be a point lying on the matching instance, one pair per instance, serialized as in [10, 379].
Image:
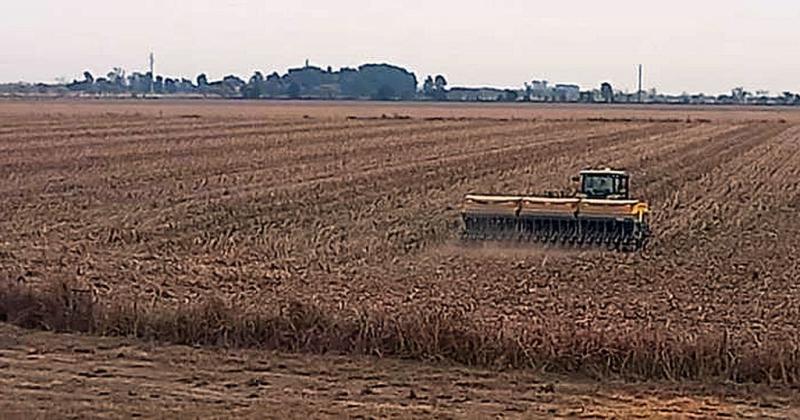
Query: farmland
[333, 228]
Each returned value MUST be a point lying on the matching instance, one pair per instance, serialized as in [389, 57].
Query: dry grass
[436, 335]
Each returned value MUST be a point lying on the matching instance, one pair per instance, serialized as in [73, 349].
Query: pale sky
[705, 46]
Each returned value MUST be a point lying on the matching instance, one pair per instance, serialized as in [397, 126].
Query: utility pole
[639, 94]
[152, 73]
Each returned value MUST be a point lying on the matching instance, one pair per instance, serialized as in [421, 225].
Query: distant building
[540, 91]
[461, 94]
[568, 93]
[588, 96]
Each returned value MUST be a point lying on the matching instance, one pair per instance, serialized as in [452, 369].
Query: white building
[568, 93]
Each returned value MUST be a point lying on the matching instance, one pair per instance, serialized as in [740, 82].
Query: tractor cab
[604, 184]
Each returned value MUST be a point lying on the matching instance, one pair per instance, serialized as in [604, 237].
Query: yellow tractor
[600, 214]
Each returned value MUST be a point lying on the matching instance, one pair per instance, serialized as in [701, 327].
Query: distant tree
[440, 82]
[607, 92]
[742, 96]
[170, 86]
[273, 86]
[202, 80]
[158, 85]
[510, 95]
[254, 86]
[117, 76]
[428, 87]
[370, 78]
[385, 93]
[185, 85]
[351, 85]
[139, 83]
[294, 90]
[435, 88]
[85, 85]
[232, 86]
[737, 94]
[788, 98]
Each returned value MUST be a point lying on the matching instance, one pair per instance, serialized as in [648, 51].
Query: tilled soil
[355, 206]
[355, 211]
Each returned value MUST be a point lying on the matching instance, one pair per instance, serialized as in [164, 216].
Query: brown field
[331, 228]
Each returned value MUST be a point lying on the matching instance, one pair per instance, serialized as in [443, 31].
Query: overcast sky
[685, 45]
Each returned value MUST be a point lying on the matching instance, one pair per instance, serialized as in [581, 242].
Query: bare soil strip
[74, 376]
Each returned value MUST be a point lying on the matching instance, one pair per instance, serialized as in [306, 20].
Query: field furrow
[335, 228]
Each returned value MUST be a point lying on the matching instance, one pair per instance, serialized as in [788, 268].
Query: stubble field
[332, 228]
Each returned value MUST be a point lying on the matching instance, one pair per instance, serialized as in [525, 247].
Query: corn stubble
[436, 335]
[336, 235]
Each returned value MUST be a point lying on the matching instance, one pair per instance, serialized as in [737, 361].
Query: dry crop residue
[263, 205]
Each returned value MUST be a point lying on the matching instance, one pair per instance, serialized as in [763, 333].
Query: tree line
[372, 82]
[368, 81]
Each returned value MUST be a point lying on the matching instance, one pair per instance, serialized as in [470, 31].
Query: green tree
[440, 88]
[385, 93]
[428, 87]
[510, 95]
[202, 80]
[254, 86]
[294, 90]
[607, 92]
[440, 82]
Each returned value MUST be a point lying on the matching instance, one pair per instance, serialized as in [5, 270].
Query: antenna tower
[639, 93]
[152, 73]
